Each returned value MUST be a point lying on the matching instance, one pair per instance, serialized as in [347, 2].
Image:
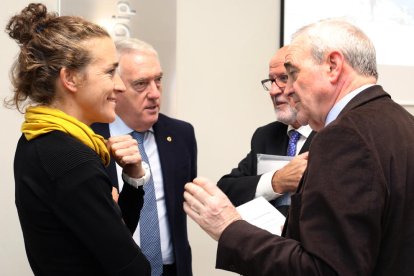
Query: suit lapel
[164, 138]
[307, 143]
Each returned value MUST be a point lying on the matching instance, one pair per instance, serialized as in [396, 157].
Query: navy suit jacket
[241, 183]
[353, 211]
[177, 149]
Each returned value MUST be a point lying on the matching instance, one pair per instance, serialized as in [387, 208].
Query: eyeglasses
[280, 81]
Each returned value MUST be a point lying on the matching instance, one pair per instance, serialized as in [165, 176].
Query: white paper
[267, 162]
[262, 214]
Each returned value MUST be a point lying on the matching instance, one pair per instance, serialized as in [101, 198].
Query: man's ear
[69, 79]
[335, 61]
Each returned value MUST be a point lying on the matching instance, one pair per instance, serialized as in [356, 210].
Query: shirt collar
[305, 131]
[337, 108]
[118, 127]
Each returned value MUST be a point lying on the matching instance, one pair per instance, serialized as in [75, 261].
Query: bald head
[279, 57]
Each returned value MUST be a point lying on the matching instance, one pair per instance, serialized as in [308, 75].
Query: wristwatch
[138, 182]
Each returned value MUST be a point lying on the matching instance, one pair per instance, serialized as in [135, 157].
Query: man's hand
[125, 150]
[209, 207]
[286, 179]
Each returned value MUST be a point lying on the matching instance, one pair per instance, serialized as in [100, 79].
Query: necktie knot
[294, 136]
[139, 136]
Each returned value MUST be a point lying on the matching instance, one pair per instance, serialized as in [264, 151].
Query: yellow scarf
[41, 119]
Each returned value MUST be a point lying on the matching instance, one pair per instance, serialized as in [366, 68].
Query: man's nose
[153, 90]
[275, 90]
[289, 91]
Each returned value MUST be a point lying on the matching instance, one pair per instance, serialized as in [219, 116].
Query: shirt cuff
[138, 182]
[264, 187]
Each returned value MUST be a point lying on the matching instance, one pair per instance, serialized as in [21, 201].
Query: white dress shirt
[118, 127]
[264, 187]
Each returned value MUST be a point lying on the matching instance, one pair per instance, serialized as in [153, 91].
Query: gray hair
[338, 34]
[133, 44]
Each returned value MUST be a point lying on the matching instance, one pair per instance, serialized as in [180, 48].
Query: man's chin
[287, 118]
[152, 119]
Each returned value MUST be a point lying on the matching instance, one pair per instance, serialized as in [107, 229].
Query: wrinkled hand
[209, 207]
[124, 149]
[287, 178]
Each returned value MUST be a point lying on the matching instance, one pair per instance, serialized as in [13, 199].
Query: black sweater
[70, 223]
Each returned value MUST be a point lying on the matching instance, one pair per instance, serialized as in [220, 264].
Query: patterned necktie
[293, 140]
[149, 225]
[291, 151]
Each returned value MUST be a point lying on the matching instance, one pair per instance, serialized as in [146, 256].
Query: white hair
[338, 34]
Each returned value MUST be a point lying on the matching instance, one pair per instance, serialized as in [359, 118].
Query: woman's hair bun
[31, 20]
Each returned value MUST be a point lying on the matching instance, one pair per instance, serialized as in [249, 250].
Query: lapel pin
[169, 139]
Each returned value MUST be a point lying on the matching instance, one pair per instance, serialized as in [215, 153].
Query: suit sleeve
[194, 153]
[334, 226]
[130, 202]
[241, 183]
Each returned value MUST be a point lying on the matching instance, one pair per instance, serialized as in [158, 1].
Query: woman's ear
[69, 79]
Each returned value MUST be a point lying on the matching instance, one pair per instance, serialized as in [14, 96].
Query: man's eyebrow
[288, 64]
[278, 75]
[136, 81]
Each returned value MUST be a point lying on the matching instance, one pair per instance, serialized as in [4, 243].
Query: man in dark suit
[171, 149]
[245, 183]
[353, 211]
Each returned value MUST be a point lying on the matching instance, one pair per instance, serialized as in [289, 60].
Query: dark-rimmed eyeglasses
[280, 81]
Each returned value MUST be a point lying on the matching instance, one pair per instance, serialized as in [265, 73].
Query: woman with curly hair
[65, 79]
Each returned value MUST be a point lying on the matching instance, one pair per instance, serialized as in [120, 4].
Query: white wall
[223, 50]
[220, 53]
